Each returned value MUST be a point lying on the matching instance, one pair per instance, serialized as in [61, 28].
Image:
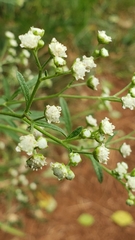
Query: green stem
[123, 90]
[2, 126]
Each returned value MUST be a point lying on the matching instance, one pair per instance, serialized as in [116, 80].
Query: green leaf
[24, 87]
[97, 168]
[44, 124]
[86, 219]
[66, 115]
[75, 133]
[30, 84]
[6, 228]
[122, 218]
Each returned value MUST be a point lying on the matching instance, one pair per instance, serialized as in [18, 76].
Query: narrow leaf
[11, 230]
[97, 168]
[75, 133]
[66, 115]
[44, 124]
[24, 87]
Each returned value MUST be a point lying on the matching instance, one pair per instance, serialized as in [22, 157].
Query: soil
[85, 194]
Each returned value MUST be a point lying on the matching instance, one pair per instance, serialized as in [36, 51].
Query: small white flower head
[29, 40]
[103, 38]
[59, 170]
[37, 31]
[86, 133]
[131, 183]
[36, 162]
[91, 121]
[33, 186]
[78, 69]
[57, 49]
[37, 133]
[128, 102]
[42, 143]
[75, 158]
[92, 82]
[25, 53]
[125, 150]
[9, 35]
[106, 127]
[59, 61]
[70, 174]
[88, 63]
[101, 153]
[121, 169]
[104, 52]
[13, 172]
[132, 92]
[13, 43]
[12, 51]
[27, 144]
[23, 180]
[52, 113]
[133, 79]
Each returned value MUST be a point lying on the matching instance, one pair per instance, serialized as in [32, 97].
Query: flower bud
[74, 159]
[37, 31]
[36, 162]
[92, 82]
[42, 143]
[130, 202]
[40, 44]
[103, 38]
[104, 52]
[86, 133]
[59, 170]
[70, 174]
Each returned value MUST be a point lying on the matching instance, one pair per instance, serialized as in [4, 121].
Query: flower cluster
[52, 113]
[80, 67]
[29, 143]
[101, 153]
[125, 150]
[128, 101]
[32, 39]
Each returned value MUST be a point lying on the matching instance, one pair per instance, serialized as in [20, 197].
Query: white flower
[42, 143]
[106, 127]
[125, 150]
[59, 170]
[104, 52]
[52, 113]
[59, 62]
[37, 31]
[33, 186]
[29, 40]
[37, 133]
[121, 169]
[78, 69]
[101, 153]
[27, 144]
[131, 183]
[57, 49]
[103, 38]
[128, 102]
[86, 133]
[12, 51]
[132, 91]
[13, 43]
[88, 63]
[92, 82]
[74, 159]
[9, 34]
[36, 162]
[91, 120]
[26, 53]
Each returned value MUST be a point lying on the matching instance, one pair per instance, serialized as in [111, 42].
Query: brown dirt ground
[85, 195]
